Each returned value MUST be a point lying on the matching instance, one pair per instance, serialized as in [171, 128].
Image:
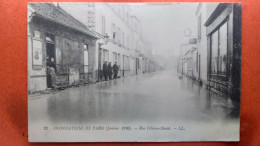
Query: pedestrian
[110, 71]
[51, 75]
[105, 70]
[115, 70]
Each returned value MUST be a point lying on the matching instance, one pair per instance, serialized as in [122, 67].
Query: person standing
[115, 70]
[51, 75]
[109, 67]
[105, 70]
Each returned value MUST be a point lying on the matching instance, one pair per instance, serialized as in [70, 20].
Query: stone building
[120, 35]
[54, 34]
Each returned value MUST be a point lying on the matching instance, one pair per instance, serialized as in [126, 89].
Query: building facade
[188, 61]
[217, 60]
[223, 30]
[120, 35]
[57, 38]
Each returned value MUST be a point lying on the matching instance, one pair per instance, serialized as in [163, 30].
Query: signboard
[37, 54]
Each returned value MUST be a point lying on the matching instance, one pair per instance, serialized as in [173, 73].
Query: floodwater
[155, 100]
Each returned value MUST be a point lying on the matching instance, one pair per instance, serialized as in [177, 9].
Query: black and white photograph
[133, 72]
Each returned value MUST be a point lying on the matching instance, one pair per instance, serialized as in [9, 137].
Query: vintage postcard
[134, 72]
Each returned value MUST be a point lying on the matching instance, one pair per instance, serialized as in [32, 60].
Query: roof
[57, 14]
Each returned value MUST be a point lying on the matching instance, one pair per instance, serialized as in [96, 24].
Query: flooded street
[158, 99]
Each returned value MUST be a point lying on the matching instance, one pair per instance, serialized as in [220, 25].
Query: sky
[163, 24]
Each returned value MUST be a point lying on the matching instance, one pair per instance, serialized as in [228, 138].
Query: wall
[110, 18]
[68, 46]
[36, 74]
[202, 43]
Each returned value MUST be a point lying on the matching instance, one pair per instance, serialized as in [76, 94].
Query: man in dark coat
[109, 67]
[115, 70]
[105, 70]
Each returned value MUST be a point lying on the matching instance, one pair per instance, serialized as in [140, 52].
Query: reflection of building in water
[218, 57]
[59, 41]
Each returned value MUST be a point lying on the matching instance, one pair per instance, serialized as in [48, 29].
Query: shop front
[59, 42]
[223, 29]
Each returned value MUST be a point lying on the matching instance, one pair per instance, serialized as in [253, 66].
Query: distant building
[55, 35]
[188, 59]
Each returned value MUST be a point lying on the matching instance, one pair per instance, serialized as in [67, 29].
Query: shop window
[222, 49]
[214, 52]
[219, 50]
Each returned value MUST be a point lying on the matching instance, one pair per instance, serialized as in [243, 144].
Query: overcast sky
[164, 24]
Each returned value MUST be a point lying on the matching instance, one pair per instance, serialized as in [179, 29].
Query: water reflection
[158, 97]
[212, 101]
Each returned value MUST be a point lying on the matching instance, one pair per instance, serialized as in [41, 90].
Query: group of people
[109, 70]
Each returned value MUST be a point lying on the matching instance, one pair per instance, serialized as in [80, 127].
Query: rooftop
[57, 14]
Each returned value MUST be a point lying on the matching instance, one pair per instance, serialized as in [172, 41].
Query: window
[118, 60]
[222, 49]
[85, 58]
[118, 35]
[114, 57]
[199, 28]
[214, 52]
[197, 61]
[219, 50]
[136, 44]
[127, 18]
[114, 31]
[127, 41]
[126, 63]
[103, 25]
[123, 38]
[105, 55]
[137, 62]
[50, 38]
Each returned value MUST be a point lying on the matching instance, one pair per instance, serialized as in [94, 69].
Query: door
[136, 65]
[51, 61]
[123, 66]
[199, 67]
[99, 63]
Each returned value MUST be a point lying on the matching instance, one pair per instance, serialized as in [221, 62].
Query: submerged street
[198, 100]
[156, 98]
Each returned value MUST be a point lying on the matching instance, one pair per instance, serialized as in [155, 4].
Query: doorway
[136, 66]
[51, 62]
[199, 68]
